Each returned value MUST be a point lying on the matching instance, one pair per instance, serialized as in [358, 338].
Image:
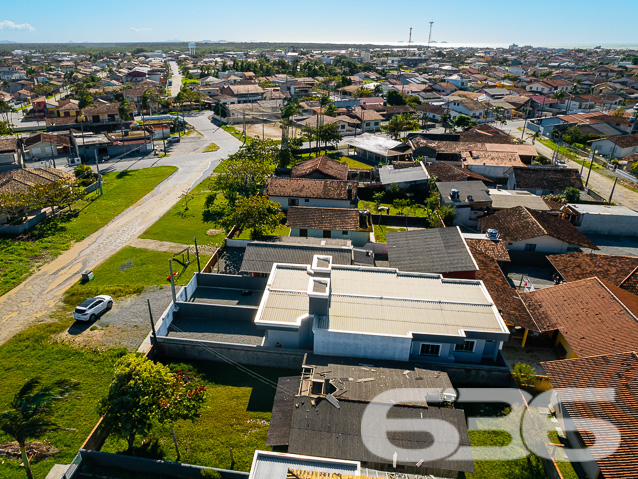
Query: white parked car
[91, 308]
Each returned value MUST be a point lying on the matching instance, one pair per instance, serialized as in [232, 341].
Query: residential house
[406, 174]
[524, 229]
[431, 112]
[543, 180]
[9, 155]
[548, 87]
[323, 412]
[603, 219]
[380, 313]
[45, 145]
[68, 108]
[444, 172]
[311, 192]
[445, 88]
[574, 381]
[369, 120]
[588, 317]
[470, 199]
[438, 250]
[378, 148]
[259, 257]
[618, 146]
[320, 168]
[339, 223]
[108, 113]
[495, 165]
[505, 199]
[466, 106]
[611, 268]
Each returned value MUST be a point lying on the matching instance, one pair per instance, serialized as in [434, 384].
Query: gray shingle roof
[440, 250]
[259, 257]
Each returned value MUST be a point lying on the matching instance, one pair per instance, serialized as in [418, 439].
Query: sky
[538, 23]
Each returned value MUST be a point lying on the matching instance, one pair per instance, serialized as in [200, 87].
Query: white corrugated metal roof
[275, 465]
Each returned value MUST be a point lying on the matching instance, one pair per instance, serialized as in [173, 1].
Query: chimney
[319, 286]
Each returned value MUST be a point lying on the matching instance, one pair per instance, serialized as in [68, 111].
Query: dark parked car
[173, 139]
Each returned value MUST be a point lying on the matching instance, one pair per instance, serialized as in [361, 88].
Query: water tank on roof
[492, 234]
[454, 194]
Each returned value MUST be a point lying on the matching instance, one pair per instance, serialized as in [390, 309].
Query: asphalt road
[176, 78]
[32, 300]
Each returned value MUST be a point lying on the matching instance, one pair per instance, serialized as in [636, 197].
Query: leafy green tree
[401, 204]
[571, 194]
[394, 98]
[465, 122]
[378, 89]
[30, 413]
[330, 109]
[634, 168]
[134, 396]
[329, 134]
[363, 92]
[396, 125]
[256, 213]
[125, 110]
[6, 128]
[447, 213]
[246, 171]
[378, 199]
[184, 398]
[523, 374]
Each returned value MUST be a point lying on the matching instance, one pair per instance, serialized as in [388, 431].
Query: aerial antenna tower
[430, 36]
[410, 41]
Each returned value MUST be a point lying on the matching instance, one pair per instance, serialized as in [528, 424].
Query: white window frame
[463, 346]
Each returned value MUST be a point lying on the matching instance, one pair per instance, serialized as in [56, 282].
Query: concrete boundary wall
[247, 355]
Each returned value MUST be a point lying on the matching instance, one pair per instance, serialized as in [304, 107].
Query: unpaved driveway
[32, 300]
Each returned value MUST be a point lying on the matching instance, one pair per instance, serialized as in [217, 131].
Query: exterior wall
[447, 353]
[570, 354]
[358, 238]
[8, 158]
[491, 171]
[606, 148]
[315, 202]
[544, 244]
[609, 225]
[332, 343]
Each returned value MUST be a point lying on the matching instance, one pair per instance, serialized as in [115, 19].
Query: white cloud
[9, 25]
[143, 29]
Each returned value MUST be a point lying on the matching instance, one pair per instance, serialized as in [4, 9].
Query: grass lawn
[380, 231]
[32, 353]
[570, 154]
[211, 147]
[180, 226]
[526, 468]
[236, 416]
[233, 131]
[186, 81]
[370, 205]
[48, 239]
[129, 271]
[220, 168]
[282, 230]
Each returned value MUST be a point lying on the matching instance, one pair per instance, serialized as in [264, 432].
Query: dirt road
[32, 300]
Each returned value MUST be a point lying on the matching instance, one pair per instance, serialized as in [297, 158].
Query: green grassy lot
[47, 240]
[180, 226]
[282, 230]
[570, 154]
[220, 168]
[233, 131]
[211, 147]
[380, 231]
[412, 211]
[129, 271]
[236, 416]
[34, 353]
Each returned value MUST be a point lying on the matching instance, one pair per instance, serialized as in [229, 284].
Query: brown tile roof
[321, 166]
[444, 172]
[506, 298]
[324, 218]
[592, 319]
[618, 371]
[48, 138]
[22, 179]
[608, 267]
[624, 141]
[519, 223]
[543, 178]
[63, 120]
[104, 109]
[630, 283]
[8, 144]
[494, 249]
[311, 188]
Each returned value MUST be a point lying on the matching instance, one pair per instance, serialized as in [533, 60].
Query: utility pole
[612, 190]
[99, 176]
[409, 42]
[589, 173]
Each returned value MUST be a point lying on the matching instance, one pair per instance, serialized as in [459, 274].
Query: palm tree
[30, 415]
[396, 125]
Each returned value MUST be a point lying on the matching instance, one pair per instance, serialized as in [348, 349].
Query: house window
[326, 233]
[530, 247]
[306, 200]
[293, 201]
[344, 233]
[430, 349]
[303, 232]
[466, 347]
